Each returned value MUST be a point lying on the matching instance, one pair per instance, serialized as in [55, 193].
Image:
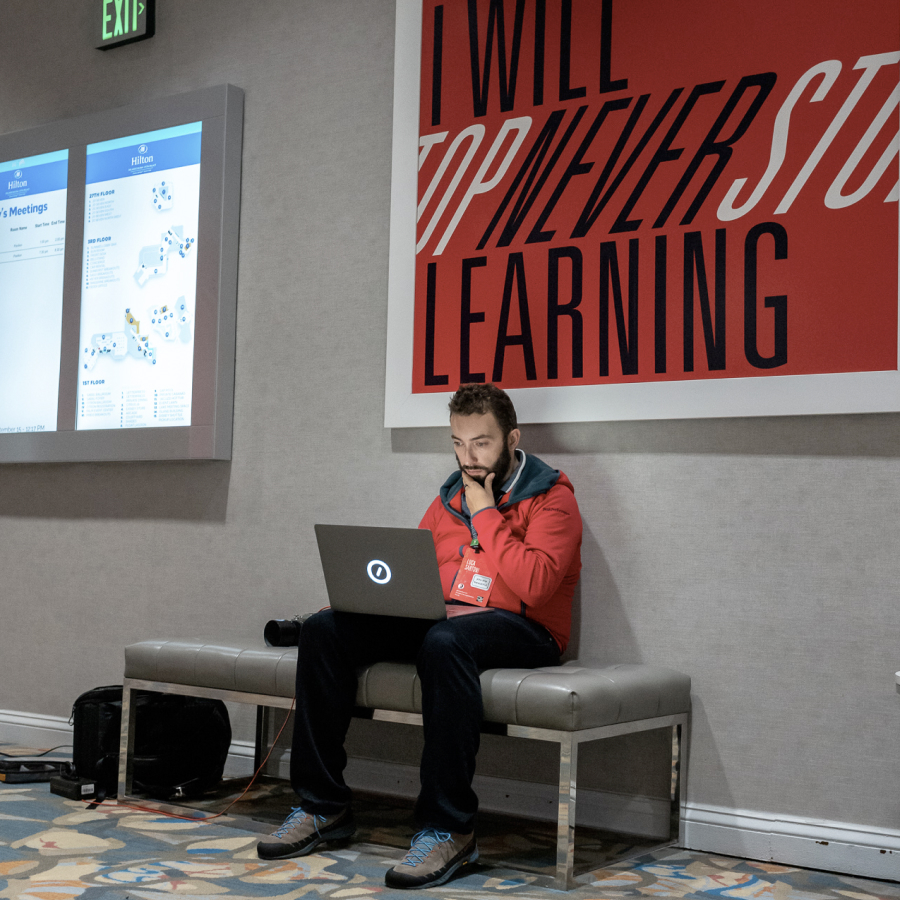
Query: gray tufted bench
[568, 705]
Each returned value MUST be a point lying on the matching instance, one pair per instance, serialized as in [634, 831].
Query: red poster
[642, 191]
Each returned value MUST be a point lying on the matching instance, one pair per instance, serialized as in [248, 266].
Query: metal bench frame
[569, 742]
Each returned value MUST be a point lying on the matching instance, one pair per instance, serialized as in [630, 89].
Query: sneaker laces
[298, 815]
[423, 843]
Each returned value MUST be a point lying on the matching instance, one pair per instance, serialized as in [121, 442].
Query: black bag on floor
[181, 743]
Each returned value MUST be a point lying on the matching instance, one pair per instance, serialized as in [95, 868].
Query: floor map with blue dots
[140, 273]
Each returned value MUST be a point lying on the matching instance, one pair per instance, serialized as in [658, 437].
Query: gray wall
[760, 556]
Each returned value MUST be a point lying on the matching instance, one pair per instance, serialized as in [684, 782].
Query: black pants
[449, 656]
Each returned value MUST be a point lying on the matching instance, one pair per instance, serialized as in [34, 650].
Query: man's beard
[499, 470]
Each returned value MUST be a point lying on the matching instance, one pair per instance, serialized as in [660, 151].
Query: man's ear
[512, 439]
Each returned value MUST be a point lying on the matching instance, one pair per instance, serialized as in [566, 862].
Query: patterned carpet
[52, 848]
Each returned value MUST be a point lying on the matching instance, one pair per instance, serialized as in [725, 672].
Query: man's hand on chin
[479, 497]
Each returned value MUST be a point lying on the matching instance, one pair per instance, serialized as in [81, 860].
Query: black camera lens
[282, 633]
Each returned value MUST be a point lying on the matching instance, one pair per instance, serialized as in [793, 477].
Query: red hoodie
[531, 539]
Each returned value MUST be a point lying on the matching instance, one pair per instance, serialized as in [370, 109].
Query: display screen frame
[220, 109]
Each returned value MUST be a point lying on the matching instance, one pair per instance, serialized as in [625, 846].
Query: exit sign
[124, 21]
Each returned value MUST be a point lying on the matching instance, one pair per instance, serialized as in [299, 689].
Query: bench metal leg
[565, 824]
[126, 741]
[680, 745]
[263, 717]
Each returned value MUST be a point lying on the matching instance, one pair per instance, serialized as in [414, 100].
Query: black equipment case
[181, 743]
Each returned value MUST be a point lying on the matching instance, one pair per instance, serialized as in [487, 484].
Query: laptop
[381, 571]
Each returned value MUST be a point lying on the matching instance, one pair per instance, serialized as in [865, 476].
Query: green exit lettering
[125, 21]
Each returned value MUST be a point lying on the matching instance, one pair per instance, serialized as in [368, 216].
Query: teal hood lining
[536, 478]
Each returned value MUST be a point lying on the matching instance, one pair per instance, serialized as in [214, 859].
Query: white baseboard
[809, 843]
[29, 730]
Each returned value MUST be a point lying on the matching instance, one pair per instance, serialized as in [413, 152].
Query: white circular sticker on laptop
[379, 571]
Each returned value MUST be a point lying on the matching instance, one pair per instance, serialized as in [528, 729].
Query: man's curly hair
[478, 399]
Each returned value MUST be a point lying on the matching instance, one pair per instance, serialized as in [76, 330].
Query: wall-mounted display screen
[32, 247]
[139, 280]
[118, 282]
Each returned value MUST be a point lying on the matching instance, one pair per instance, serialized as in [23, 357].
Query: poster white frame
[785, 395]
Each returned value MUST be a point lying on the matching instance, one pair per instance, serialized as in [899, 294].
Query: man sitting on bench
[518, 521]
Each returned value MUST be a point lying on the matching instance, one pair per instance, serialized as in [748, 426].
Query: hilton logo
[379, 571]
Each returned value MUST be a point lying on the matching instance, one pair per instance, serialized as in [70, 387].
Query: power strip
[73, 788]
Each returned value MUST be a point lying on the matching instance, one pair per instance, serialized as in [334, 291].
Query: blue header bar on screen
[145, 137]
[25, 177]
[152, 151]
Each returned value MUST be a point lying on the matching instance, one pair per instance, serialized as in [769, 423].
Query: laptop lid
[381, 571]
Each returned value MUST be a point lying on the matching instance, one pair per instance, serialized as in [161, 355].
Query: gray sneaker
[433, 857]
[302, 832]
